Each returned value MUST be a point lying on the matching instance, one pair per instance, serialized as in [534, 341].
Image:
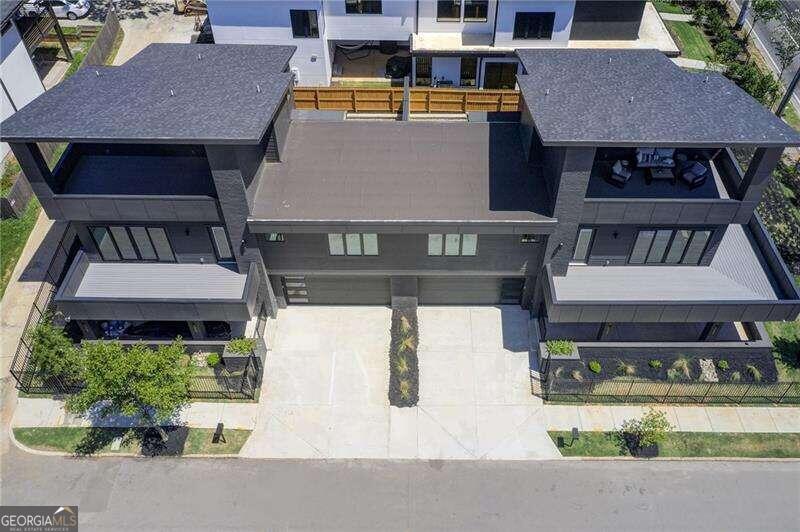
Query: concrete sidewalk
[682, 418]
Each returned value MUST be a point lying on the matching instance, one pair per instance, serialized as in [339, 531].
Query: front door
[499, 75]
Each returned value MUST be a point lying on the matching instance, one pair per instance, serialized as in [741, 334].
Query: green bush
[577, 375]
[723, 364]
[242, 346]
[736, 376]
[53, 354]
[626, 369]
[213, 359]
[655, 363]
[754, 372]
[594, 366]
[560, 347]
[651, 429]
[681, 367]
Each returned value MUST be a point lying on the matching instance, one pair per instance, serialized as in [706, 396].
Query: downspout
[496, 12]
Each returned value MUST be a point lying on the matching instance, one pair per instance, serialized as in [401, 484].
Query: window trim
[291, 23]
[541, 13]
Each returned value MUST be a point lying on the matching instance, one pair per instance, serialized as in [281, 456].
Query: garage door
[470, 290]
[338, 290]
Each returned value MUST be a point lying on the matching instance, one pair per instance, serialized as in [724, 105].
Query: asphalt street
[237, 494]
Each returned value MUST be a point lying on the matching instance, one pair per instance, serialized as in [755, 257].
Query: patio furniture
[660, 174]
[694, 174]
[655, 157]
[620, 173]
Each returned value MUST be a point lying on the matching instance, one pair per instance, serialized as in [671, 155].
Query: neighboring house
[452, 42]
[200, 196]
[18, 77]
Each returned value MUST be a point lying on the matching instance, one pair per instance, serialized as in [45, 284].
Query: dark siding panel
[460, 290]
[335, 290]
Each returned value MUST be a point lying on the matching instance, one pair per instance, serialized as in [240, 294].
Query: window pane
[221, 243]
[105, 244]
[448, 10]
[124, 243]
[434, 245]
[304, 23]
[642, 246]
[534, 25]
[353, 241]
[469, 245]
[451, 244]
[159, 238]
[469, 71]
[660, 242]
[275, 237]
[582, 246]
[146, 251]
[476, 10]
[423, 71]
[362, 7]
[678, 246]
[696, 246]
[370, 243]
[336, 243]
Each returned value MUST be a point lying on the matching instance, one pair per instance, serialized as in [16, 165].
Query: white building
[19, 80]
[452, 42]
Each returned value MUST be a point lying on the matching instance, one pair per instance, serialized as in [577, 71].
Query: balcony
[746, 281]
[659, 201]
[157, 291]
[134, 183]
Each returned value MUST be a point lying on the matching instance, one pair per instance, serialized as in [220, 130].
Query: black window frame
[477, 5]
[523, 21]
[217, 253]
[346, 252]
[443, 248]
[129, 233]
[589, 245]
[428, 63]
[451, 4]
[674, 231]
[297, 23]
[363, 7]
[475, 73]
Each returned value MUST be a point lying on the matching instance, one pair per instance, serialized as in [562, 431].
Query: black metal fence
[240, 384]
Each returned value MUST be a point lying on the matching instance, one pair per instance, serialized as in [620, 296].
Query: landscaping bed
[83, 441]
[687, 444]
[403, 362]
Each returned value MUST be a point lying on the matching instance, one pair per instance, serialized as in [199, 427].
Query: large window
[304, 23]
[353, 244]
[534, 25]
[469, 71]
[669, 246]
[221, 246]
[363, 7]
[452, 245]
[423, 71]
[133, 243]
[476, 10]
[582, 245]
[448, 10]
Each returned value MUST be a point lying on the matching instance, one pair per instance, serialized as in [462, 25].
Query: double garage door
[375, 290]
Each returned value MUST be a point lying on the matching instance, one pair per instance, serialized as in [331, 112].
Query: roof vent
[199, 57]
[97, 73]
[706, 80]
[258, 88]
[547, 92]
[171, 92]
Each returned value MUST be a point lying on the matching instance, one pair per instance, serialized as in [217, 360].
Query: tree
[786, 48]
[135, 381]
[648, 431]
[764, 11]
[54, 355]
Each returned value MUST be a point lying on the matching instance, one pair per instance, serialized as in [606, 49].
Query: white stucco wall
[428, 24]
[268, 22]
[562, 25]
[19, 77]
[396, 23]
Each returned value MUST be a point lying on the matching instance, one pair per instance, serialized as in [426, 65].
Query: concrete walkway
[680, 17]
[697, 64]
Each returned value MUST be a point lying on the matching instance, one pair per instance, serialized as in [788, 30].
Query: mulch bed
[403, 362]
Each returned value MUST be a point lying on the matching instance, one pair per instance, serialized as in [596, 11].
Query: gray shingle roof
[220, 94]
[640, 98]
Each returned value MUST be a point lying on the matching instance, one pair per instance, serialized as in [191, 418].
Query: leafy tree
[53, 354]
[135, 381]
[651, 429]
[764, 11]
[760, 85]
[786, 48]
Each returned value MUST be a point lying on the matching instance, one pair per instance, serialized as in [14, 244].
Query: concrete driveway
[326, 384]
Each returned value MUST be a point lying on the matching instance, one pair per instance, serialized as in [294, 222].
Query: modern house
[461, 43]
[611, 197]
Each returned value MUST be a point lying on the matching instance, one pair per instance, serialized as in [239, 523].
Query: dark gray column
[86, 329]
[198, 329]
[603, 330]
[758, 174]
[710, 331]
[39, 176]
[568, 196]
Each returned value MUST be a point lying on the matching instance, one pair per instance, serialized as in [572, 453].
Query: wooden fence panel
[387, 100]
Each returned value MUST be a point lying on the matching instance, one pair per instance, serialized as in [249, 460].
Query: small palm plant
[401, 365]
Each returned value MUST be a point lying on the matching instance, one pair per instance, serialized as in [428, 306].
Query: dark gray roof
[640, 98]
[359, 171]
[8, 8]
[177, 93]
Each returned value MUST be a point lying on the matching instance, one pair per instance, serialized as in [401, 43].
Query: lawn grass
[355, 84]
[667, 7]
[785, 337]
[690, 39]
[13, 235]
[10, 170]
[78, 440]
[791, 117]
[690, 444]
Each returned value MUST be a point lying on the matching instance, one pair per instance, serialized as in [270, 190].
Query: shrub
[728, 48]
[681, 366]
[594, 366]
[405, 325]
[673, 374]
[723, 364]
[212, 359]
[405, 389]
[650, 430]
[754, 372]
[242, 346]
[408, 343]
[736, 376]
[403, 362]
[577, 375]
[655, 363]
[53, 354]
[625, 368]
[558, 372]
[401, 365]
[560, 347]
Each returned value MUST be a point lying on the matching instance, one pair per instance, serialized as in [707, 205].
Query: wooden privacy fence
[390, 100]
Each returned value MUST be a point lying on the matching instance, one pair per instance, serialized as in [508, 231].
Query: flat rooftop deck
[140, 175]
[358, 171]
[738, 272]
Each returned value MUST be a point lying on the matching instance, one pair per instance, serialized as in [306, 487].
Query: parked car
[71, 9]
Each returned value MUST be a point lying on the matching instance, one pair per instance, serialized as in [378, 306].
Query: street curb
[675, 459]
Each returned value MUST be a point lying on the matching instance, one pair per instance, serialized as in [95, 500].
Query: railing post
[788, 387]
[705, 395]
[627, 395]
[316, 99]
[745, 393]
[666, 395]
